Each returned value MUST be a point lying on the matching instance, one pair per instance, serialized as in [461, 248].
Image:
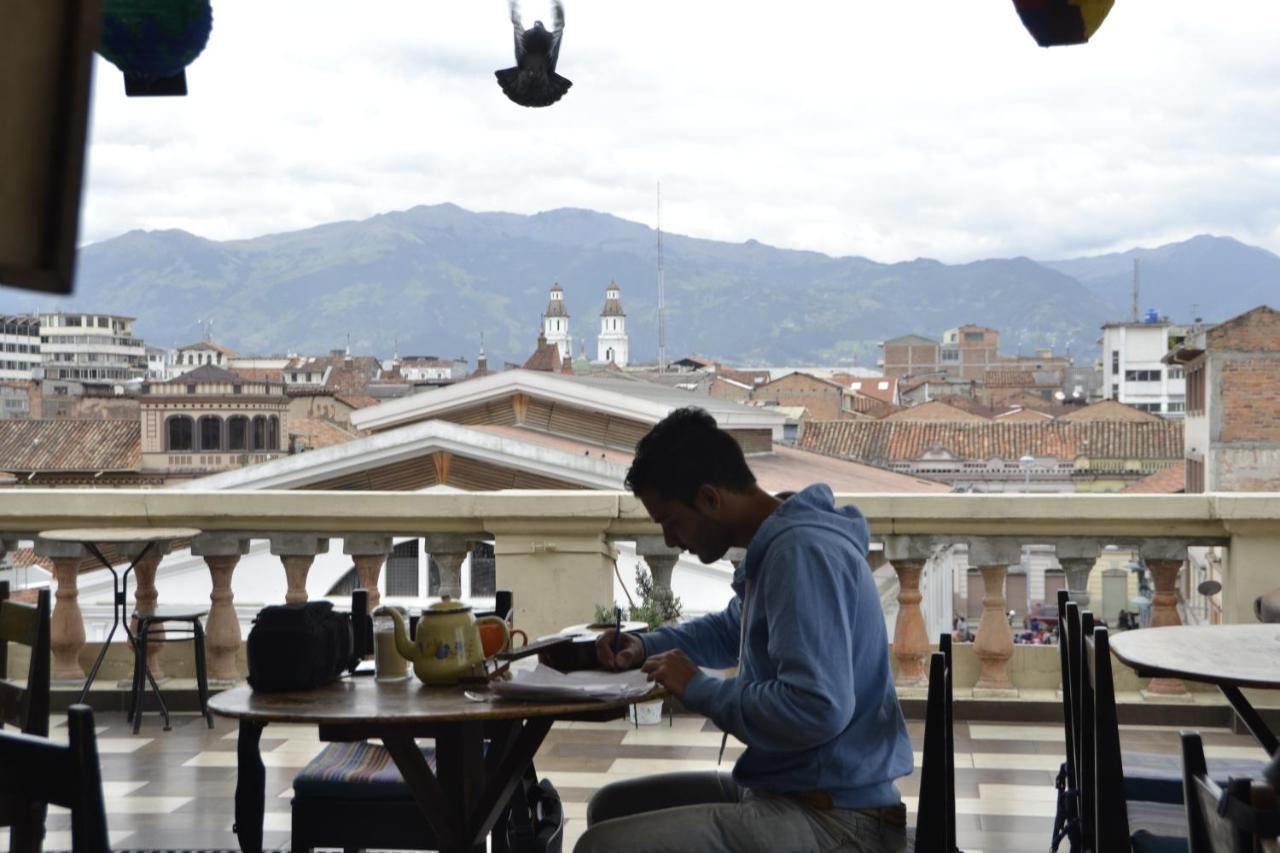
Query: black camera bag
[298, 647]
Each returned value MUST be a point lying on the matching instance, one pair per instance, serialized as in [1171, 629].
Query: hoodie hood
[813, 507]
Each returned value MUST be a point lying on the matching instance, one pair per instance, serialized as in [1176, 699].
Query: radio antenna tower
[662, 294]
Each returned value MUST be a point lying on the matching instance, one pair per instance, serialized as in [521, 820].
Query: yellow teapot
[447, 645]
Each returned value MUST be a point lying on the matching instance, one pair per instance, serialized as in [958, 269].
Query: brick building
[1233, 404]
[822, 398]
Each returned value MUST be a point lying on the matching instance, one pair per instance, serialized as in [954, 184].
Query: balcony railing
[555, 550]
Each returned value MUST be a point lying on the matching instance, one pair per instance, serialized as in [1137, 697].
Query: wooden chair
[1241, 819]
[25, 707]
[1107, 793]
[41, 771]
[936, 815]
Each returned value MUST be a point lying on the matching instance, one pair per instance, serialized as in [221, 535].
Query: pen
[617, 631]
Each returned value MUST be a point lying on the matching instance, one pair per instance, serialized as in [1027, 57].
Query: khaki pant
[709, 813]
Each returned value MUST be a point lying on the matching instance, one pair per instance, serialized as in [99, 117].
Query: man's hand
[673, 670]
[630, 651]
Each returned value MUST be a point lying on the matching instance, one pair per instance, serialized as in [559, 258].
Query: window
[1177, 407]
[259, 437]
[72, 321]
[1175, 373]
[178, 432]
[191, 389]
[950, 354]
[273, 433]
[402, 569]
[1142, 376]
[103, 323]
[1115, 361]
[210, 433]
[238, 433]
[237, 389]
[1115, 392]
[973, 336]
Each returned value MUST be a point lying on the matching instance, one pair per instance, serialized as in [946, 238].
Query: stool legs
[202, 679]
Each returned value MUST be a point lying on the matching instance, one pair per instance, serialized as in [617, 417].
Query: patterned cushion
[354, 771]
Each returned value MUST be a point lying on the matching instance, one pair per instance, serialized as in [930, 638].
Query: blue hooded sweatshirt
[813, 699]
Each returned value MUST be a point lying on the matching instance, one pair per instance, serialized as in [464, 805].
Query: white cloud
[891, 130]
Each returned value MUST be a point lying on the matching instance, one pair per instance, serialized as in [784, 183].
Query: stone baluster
[66, 625]
[221, 553]
[297, 551]
[369, 552]
[450, 550]
[908, 555]
[1077, 558]
[145, 596]
[1164, 558]
[660, 559]
[994, 643]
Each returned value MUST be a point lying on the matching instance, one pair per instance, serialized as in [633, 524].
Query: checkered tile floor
[175, 789]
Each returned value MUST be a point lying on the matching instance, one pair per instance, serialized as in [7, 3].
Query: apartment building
[93, 349]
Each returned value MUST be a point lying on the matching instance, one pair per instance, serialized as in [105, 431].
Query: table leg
[426, 788]
[251, 787]
[505, 771]
[460, 765]
[1250, 717]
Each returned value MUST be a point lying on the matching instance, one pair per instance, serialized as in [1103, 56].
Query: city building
[967, 352]
[1233, 404]
[210, 419]
[90, 349]
[555, 323]
[159, 364]
[1133, 370]
[429, 370]
[198, 354]
[19, 347]
[821, 398]
[612, 346]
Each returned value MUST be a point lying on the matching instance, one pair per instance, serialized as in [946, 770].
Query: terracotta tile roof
[546, 357]
[1017, 415]
[67, 444]
[897, 441]
[1167, 481]
[935, 410]
[356, 401]
[318, 432]
[750, 378]
[261, 374]
[1110, 410]
[1005, 377]
[870, 406]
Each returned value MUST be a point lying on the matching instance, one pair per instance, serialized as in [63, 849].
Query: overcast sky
[892, 130]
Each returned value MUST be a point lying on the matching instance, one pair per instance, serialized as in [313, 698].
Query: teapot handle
[506, 629]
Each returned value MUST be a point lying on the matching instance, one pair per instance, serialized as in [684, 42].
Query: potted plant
[657, 606]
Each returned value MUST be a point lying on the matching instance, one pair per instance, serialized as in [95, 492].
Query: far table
[152, 539]
[1230, 656]
[464, 797]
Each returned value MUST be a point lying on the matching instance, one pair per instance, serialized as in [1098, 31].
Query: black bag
[298, 646]
[535, 822]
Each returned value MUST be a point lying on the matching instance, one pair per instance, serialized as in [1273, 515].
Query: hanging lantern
[153, 41]
[1057, 22]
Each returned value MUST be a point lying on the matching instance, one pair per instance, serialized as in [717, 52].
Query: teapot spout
[404, 645]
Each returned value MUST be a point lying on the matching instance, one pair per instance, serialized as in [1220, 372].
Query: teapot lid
[448, 604]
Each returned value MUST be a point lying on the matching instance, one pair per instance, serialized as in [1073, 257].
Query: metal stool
[146, 619]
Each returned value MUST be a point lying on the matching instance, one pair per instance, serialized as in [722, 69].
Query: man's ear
[708, 499]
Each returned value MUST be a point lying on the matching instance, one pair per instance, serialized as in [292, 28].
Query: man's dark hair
[684, 451]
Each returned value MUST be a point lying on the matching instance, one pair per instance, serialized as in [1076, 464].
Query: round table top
[354, 700]
[1239, 655]
[118, 535]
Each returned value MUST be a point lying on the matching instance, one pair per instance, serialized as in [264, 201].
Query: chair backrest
[1082, 712]
[944, 646]
[38, 770]
[1242, 819]
[931, 815]
[26, 707]
[1064, 665]
[1110, 814]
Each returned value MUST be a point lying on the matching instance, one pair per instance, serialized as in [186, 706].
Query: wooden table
[464, 797]
[1230, 656]
[152, 539]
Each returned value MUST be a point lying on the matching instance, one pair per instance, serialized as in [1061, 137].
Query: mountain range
[434, 279]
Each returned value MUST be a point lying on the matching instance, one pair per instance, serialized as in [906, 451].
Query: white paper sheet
[544, 684]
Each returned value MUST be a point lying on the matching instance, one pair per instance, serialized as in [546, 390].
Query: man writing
[813, 697]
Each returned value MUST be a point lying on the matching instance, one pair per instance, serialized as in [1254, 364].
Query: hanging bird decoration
[534, 81]
[1060, 22]
[153, 41]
